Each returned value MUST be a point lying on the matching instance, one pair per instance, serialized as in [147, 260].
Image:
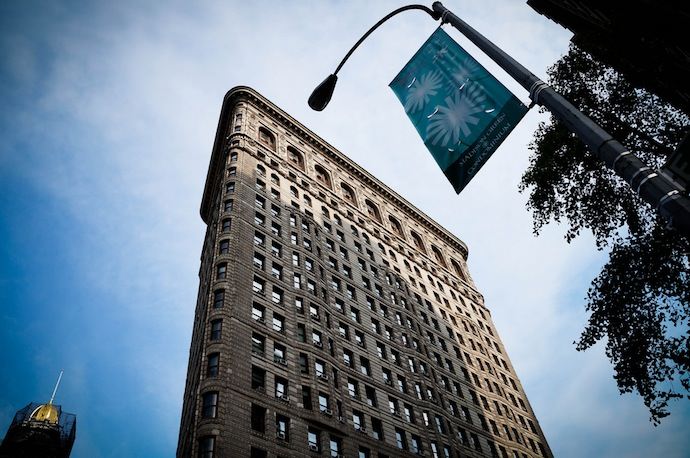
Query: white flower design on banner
[468, 70]
[448, 123]
[420, 90]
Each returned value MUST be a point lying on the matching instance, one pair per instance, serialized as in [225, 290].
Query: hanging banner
[459, 109]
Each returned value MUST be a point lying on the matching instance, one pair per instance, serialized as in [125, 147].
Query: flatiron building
[333, 317]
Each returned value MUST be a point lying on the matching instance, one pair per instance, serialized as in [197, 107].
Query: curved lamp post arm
[324, 91]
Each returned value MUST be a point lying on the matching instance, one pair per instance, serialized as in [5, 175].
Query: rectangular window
[276, 230]
[209, 404]
[258, 378]
[358, 420]
[347, 357]
[258, 419]
[207, 447]
[304, 363]
[258, 312]
[277, 271]
[276, 249]
[279, 354]
[415, 444]
[258, 343]
[393, 405]
[258, 285]
[316, 338]
[365, 366]
[218, 298]
[323, 403]
[371, 396]
[277, 295]
[212, 365]
[282, 428]
[400, 439]
[306, 397]
[319, 368]
[353, 388]
[221, 271]
[313, 440]
[278, 322]
[336, 446]
[216, 329]
[258, 261]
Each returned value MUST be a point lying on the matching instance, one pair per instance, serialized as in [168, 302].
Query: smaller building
[40, 430]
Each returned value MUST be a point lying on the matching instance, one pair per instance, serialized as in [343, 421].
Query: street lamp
[323, 92]
[653, 186]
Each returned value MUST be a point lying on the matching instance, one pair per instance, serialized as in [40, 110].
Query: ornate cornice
[215, 170]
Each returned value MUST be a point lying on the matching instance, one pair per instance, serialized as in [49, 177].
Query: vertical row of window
[209, 400]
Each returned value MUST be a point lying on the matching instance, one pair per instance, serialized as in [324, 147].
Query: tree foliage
[639, 303]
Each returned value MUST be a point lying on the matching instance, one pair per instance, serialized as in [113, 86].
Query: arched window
[373, 210]
[325, 212]
[438, 256]
[293, 192]
[275, 179]
[295, 157]
[267, 138]
[397, 228]
[348, 194]
[261, 170]
[322, 176]
[458, 269]
[418, 241]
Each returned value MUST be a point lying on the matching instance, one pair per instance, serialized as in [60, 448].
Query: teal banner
[459, 109]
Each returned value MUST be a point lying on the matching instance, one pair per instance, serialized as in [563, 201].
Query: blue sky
[108, 116]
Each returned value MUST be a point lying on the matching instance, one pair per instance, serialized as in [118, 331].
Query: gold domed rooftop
[47, 413]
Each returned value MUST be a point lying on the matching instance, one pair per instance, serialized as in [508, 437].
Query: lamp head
[323, 93]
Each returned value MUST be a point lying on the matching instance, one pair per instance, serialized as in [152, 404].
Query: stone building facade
[333, 317]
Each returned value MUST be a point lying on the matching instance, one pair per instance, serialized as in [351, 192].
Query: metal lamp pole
[652, 186]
